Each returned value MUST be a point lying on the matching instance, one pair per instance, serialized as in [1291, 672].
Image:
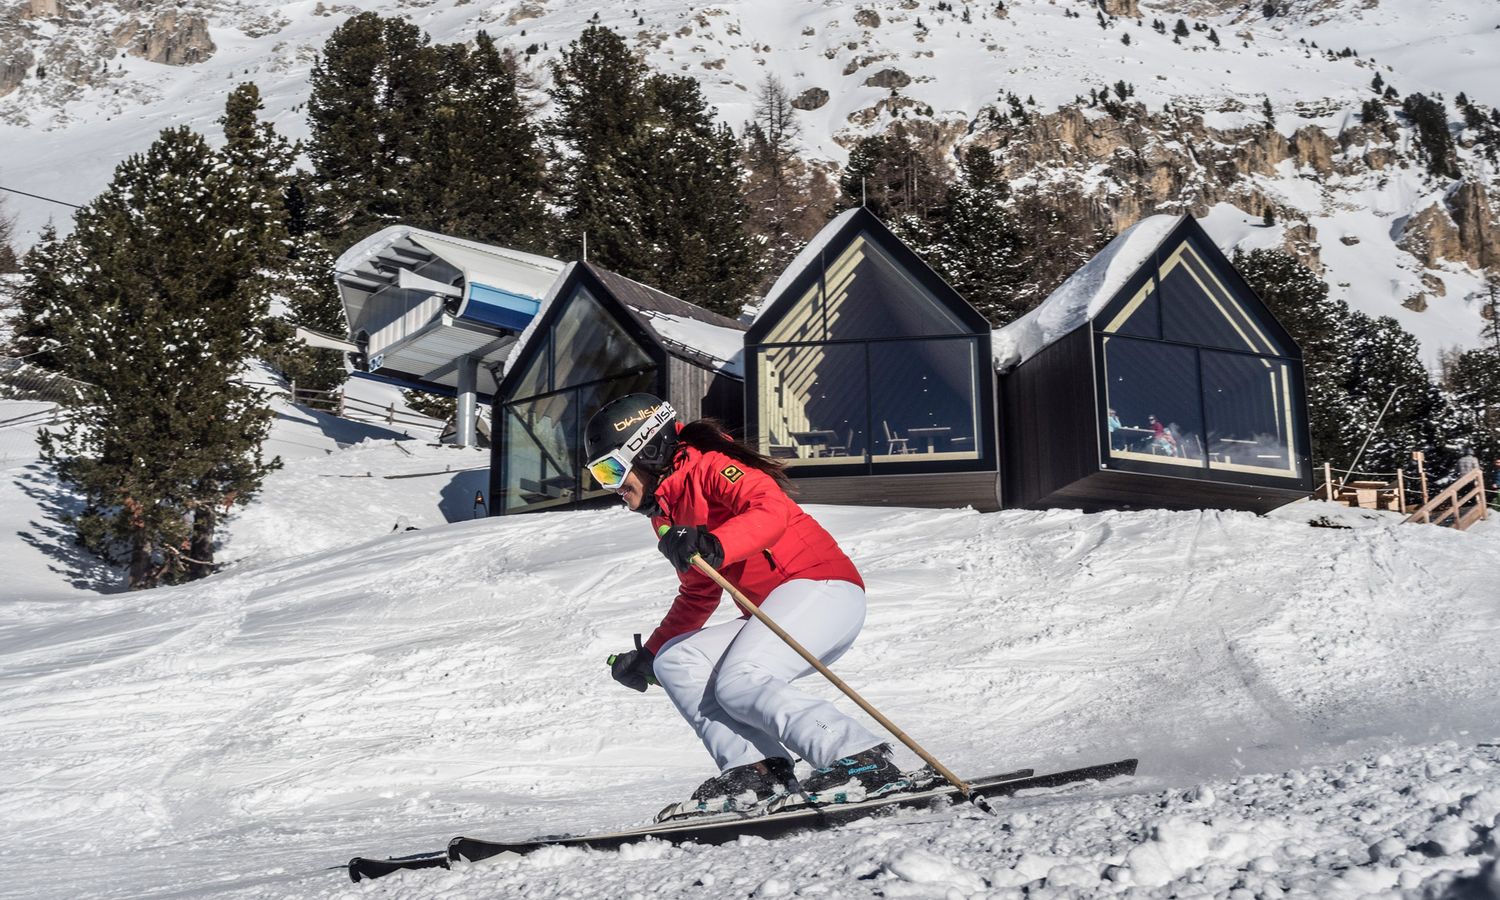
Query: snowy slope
[64, 144]
[343, 689]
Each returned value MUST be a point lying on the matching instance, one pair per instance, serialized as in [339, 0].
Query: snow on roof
[726, 346]
[1084, 295]
[469, 254]
[685, 329]
[804, 259]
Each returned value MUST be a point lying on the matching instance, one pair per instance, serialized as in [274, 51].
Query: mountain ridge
[882, 61]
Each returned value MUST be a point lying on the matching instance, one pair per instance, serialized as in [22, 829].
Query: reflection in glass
[539, 466]
[537, 379]
[923, 399]
[865, 294]
[594, 346]
[1152, 392]
[812, 403]
[544, 464]
[1140, 317]
[1249, 408]
[1199, 309]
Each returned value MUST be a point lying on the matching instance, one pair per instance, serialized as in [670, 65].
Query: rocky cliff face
[169, 37]
[1461, 227]
[1133, 162]
[58, 48]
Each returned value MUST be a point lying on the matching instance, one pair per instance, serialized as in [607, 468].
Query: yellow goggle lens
[609, 472]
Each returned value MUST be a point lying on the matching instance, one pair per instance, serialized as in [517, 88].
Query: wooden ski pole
[752, 609]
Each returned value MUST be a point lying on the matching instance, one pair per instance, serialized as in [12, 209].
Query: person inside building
[1114, 425]
[1162, 441]
[732, 682]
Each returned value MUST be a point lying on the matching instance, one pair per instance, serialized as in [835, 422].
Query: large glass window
[586, 360]
[924, 399]
[1154, 412]
[860, 403]
[1176, 393]
[1249, 407]
[589, 344]
[539, 451]
[865, 294]
[813, 403]
[1199, 309]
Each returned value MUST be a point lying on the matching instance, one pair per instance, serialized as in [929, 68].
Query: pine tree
[788, 200]
[694, 211]
[45, 271]
[646, 173]
[1385, 358]
[979, 248]
[900, 175]
[1430, 118]
[373, 90]
[1474, 378]
[480, 169]
[295, 259]
[163, 306]
[1060, 233]
[598, 90]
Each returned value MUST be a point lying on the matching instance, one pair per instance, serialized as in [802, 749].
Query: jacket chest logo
[732, 473]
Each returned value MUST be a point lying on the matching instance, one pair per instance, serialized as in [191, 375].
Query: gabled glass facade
[868, 369]
[584, 359]
[1198, 380]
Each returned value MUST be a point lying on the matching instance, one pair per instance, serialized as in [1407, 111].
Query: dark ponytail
[709, 434]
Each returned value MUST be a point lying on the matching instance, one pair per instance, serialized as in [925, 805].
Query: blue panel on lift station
[499, 308]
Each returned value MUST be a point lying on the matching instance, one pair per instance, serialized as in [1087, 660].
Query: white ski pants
[732, 682]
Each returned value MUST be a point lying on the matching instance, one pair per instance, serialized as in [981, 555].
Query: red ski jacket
[768, 540]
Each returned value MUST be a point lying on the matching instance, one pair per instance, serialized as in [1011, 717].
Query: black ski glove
[633, 668]
[680, 542]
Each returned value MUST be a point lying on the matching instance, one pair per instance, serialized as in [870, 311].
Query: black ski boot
[863, 776]
[740, 789]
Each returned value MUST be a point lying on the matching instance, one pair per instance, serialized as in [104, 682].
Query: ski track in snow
[1309, 704]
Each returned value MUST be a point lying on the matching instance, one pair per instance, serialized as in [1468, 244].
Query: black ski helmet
[617, 423]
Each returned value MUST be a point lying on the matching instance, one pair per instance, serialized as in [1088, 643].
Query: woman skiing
[732, 682]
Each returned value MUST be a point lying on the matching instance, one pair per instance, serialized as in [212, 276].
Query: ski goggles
[611, 468]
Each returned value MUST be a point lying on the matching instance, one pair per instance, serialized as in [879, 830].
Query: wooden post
[1421, 458]
[1401, 491]
[390, 414]
[1328, 480]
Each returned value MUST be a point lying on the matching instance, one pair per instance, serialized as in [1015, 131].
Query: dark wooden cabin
[600, 336]
[863, 362]
[1154, 377]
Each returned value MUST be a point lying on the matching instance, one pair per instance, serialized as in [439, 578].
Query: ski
[718, 829]
[722, 829]
[361, 867]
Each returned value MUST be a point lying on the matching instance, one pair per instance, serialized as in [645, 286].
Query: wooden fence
[1459, 506]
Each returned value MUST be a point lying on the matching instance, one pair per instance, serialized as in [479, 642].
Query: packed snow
[377, 670]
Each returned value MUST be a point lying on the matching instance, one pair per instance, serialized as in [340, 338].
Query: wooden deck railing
[1459, 506]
